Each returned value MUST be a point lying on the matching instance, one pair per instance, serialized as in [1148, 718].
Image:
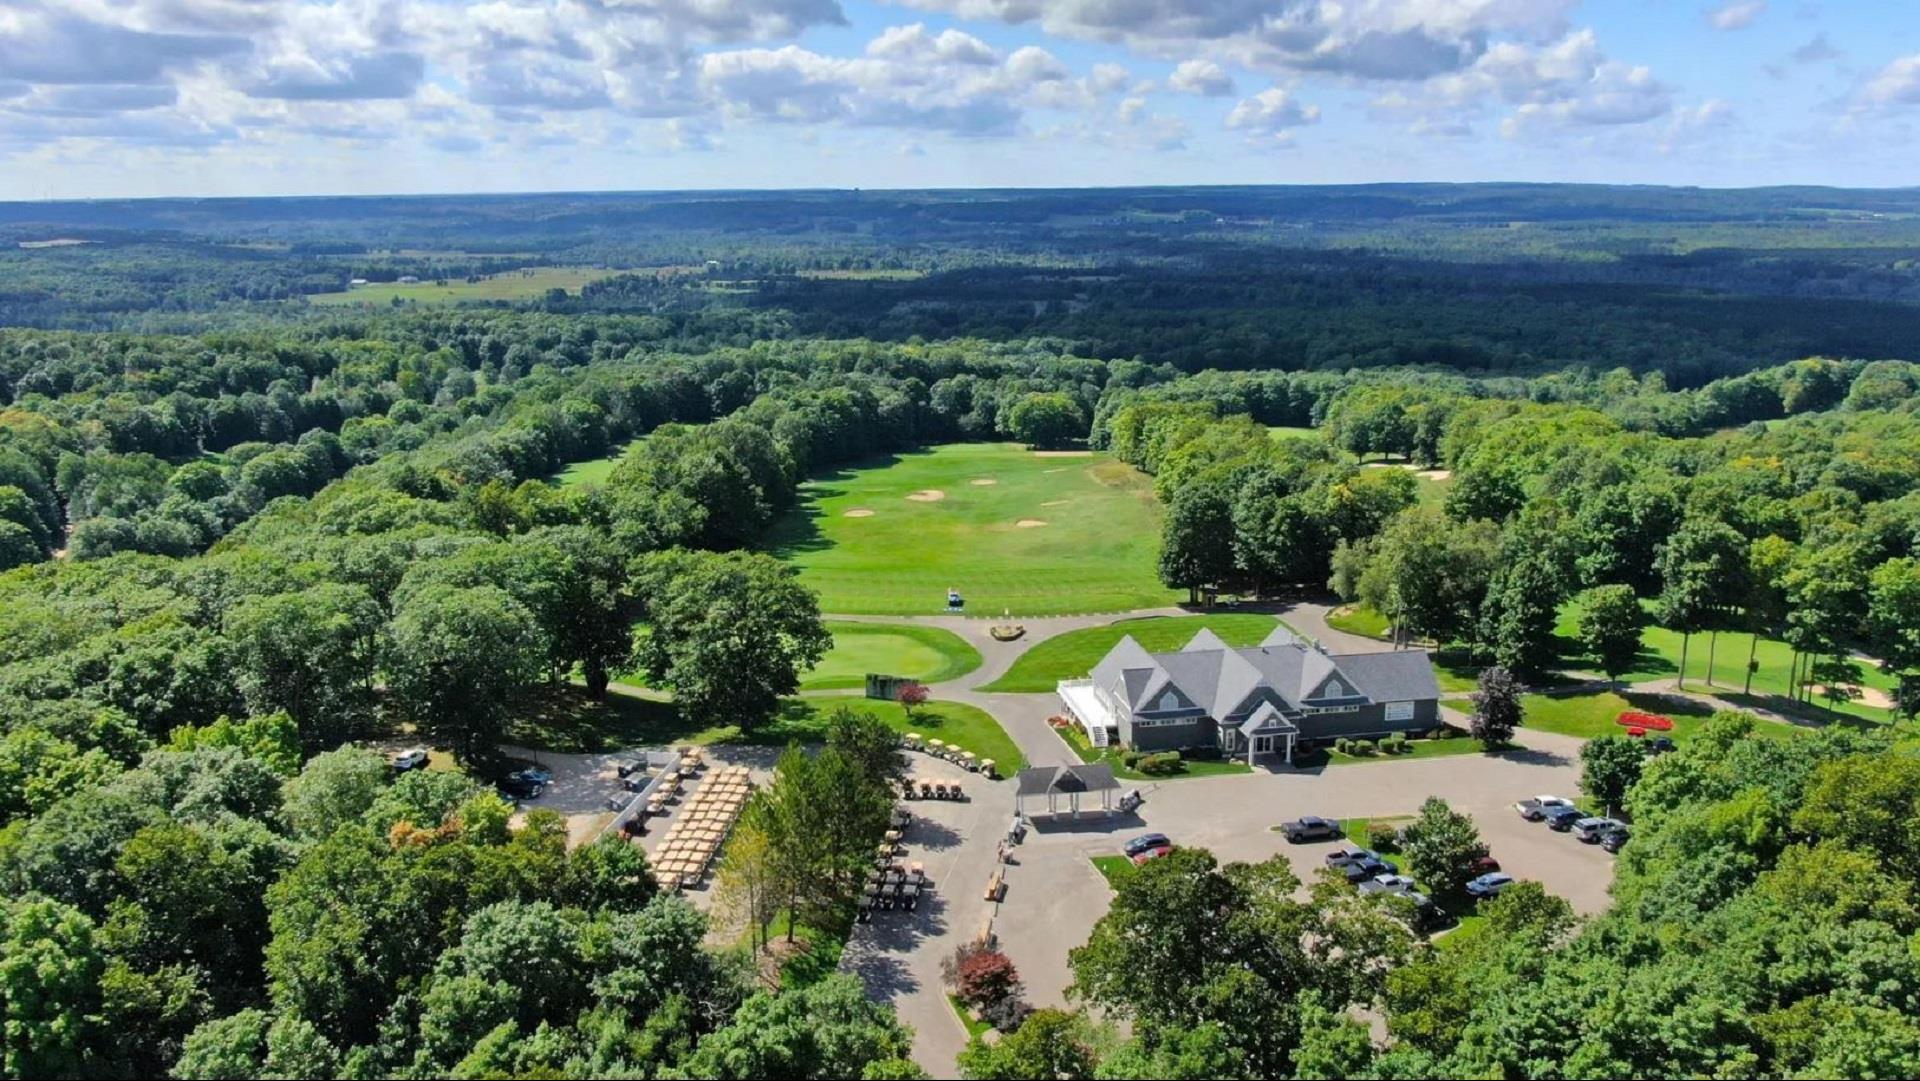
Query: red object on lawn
[1636, 719]
[1636, 731]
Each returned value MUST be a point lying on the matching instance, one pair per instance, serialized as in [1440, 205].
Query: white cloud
[1203, 77]
[1736, 14]
[1272, 112]
[1896, 84]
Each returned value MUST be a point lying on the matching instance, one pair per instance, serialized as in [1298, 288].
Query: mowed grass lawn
[592, 471]
[569, 722]
[1660, 659]
[927, 654]
[509, 285]
[1072, 655]
[1034, 534]
[1586, 716]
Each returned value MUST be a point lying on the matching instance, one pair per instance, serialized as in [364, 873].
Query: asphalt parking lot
[1054, 894]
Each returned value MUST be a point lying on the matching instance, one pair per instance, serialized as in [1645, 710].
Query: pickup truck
[1535, 809]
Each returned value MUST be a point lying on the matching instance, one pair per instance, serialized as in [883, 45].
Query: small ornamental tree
[1610, 625]
[1609, 766]
[981, 976]
[912, 696]
[1496, 707]
[1441, 845]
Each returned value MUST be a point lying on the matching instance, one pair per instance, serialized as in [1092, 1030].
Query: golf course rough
[1094, 549]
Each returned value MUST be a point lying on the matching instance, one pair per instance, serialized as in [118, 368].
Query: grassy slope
[1073, 654]
[927, 654]
[1076, 740]
[1096, 553]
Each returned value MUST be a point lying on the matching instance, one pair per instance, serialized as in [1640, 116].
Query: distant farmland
[511, 285]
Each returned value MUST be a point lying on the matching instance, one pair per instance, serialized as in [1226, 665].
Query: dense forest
[243, 533]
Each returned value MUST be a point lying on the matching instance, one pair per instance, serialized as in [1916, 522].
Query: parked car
[1358, 871]
[1591, 830]
[536, 774]
[1489, 885]
[1310, 828]
[1615, 839]
[618, 803]
[1144, 842]
[1661, 745]
[1484, 865]
[408, 761]
[1561, 819]
[1427, 914]
[1387, 883]
[514, 786]
[1148, 855]
[1535, 809]
[1349, 853]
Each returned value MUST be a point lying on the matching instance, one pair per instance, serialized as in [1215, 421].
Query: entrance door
[1263, 745]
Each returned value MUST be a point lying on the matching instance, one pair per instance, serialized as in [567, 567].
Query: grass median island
[928, 654]
[1072, 655]
[1010, 529]
[569, 722]
[1587, 716]
[1115, 869]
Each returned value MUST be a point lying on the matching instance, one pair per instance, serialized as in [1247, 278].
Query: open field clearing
[1010, 529]
[512, 285]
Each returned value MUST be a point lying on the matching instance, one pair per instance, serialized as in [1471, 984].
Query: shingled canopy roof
[1052, 783]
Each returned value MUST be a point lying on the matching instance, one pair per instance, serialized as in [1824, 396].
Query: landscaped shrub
[1342, 744]
[1007, 1013]
[1164, 762]
[1130, 757]
[1382, 836]
[1395, 744]
[1362, 747]
[980, 976]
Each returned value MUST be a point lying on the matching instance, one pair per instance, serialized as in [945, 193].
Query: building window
[1399, 711]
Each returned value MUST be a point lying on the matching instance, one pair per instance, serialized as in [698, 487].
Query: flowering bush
[1636, 719]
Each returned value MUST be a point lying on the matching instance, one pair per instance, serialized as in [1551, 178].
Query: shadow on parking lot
[1534, 756]
[1095, 823]
[932, 836]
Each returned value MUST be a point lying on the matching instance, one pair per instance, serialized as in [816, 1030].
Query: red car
[1484, 865]
[1153, 853]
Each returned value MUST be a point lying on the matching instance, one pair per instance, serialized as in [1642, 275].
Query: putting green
[927, 654]
[1012, 530]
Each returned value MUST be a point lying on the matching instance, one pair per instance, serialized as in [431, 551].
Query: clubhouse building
[1257, 701]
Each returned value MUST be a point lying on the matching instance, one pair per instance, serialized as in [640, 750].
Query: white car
[1535, 809]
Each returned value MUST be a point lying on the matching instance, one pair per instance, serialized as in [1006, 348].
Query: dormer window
[1335, 689]
[1169, 702]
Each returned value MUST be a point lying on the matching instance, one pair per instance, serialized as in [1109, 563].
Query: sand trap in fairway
[858, 512]
[1054, 503]
[1866, 696]
[983, 481]
[927, 495]
[1029, 523]
[1063, 454]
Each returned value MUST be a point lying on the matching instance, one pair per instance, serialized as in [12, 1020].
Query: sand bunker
[1866, 696]
[1414, 468]
[1063, 454]
[1029, 523]
[927, 495]
[983, 481]
[858, 512]
[1054, 503]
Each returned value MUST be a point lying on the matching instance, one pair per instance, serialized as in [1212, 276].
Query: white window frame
[1399, 711]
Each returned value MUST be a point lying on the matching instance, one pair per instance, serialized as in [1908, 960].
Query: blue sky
[233, 97]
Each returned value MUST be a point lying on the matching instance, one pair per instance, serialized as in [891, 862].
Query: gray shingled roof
[1220, 679]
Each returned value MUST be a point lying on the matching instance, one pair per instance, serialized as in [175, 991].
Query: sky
[111, 98]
